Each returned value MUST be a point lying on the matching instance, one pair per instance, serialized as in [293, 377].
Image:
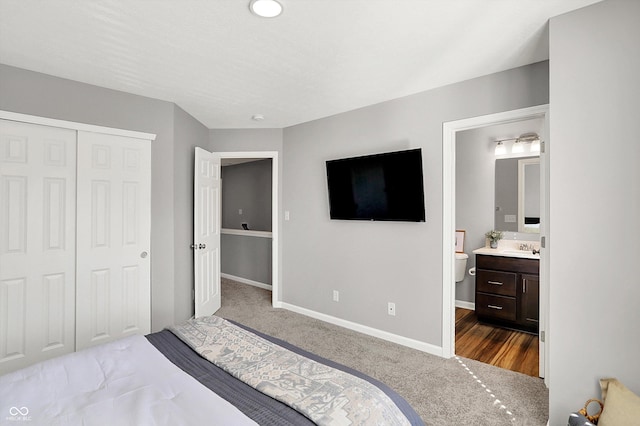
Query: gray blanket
[324, 394]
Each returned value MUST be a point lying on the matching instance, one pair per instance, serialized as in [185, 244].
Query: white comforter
[127, 382]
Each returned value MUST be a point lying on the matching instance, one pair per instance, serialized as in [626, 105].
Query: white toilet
[461, 266]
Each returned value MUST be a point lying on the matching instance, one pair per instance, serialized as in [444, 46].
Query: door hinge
[543, 242]
[542, 147]
[542, 336]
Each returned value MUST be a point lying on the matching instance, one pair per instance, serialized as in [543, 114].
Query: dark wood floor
[513, 350]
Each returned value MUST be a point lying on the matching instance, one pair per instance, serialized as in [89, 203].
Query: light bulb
[517, 147]
[266, 8]
[535, 145]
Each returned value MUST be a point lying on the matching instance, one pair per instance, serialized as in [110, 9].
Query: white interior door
[206, 232]
[37, 243]
[113, 238]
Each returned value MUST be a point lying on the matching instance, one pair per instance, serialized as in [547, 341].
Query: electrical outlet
[239, 211]
[391, 309]
[336, 296]
[286, 215]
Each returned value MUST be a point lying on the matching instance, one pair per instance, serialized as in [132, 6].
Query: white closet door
[113, 236]
[37, 243]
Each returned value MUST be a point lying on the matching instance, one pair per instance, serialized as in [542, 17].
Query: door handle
[499, 308]
[193, 246]
[143, 254]
[495, 282]
[202, 246]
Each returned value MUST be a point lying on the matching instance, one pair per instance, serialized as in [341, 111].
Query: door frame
[449, 131]
[275, 214]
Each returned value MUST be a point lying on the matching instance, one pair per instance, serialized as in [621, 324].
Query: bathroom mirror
[517, 194]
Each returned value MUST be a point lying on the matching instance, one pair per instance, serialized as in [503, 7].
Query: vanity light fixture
[517, 147]
[265, 8]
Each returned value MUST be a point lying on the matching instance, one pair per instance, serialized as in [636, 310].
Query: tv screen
[385, 186]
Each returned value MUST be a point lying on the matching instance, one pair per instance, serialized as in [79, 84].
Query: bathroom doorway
[485, 130]
[487, 197]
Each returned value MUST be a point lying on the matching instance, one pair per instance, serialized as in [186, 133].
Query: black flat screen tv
[385, 186]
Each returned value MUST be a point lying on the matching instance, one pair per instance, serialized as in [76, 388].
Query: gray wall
[372, 263]
[246, 257]
[247, 186]
[43, 95]
[188, 133]
[240, 140]
[475, 165]
[594, 292]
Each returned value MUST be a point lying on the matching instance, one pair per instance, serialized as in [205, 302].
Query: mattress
[125, 382]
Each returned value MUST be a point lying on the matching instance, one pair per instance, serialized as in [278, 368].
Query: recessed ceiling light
[257, 117]
[265, 8]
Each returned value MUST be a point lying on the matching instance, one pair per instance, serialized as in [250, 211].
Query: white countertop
[509, 249]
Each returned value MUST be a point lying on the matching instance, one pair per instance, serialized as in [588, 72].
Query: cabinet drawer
[498, 307]
[496, 282]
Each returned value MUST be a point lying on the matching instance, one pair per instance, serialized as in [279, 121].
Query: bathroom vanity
[507, 288]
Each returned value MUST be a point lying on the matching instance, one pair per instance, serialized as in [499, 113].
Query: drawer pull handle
[495, 282]
[495, 307]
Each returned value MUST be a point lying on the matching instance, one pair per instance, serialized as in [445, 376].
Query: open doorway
[245, 247]
[451, 132]
[249, 234]
[488, 196]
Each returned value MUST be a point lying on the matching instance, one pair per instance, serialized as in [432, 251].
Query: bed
[205, 371]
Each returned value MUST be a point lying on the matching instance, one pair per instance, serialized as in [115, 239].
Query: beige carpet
[455, 391]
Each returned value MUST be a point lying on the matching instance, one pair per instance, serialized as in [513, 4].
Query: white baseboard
[405, 341]
[247, 281]
[465, 305]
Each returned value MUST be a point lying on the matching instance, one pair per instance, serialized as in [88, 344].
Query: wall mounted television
[386, 186]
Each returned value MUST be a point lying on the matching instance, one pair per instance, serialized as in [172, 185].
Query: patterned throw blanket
[324, 394]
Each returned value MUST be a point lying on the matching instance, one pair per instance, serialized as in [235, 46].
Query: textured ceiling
[222, 64]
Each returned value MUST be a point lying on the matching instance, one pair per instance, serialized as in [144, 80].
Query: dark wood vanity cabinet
[507, 291]
[529, 312]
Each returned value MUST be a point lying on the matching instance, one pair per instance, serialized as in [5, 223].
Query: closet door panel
[113, 268]
[37, 243]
